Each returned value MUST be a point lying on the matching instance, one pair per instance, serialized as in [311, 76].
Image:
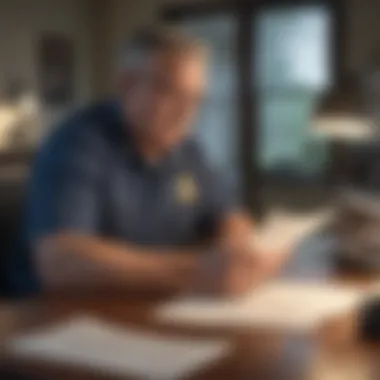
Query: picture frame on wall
[56, 69]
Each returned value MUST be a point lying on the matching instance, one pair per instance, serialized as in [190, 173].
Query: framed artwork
[56, 69]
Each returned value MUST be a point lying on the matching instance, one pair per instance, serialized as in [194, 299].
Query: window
[292, 69]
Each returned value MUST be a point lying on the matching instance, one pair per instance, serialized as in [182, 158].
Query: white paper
[284, 230]
[286, 306]
[102, 346]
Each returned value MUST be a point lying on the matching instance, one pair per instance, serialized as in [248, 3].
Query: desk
[257, 355]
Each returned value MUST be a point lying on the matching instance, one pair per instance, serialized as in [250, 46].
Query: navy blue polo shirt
[89, 179]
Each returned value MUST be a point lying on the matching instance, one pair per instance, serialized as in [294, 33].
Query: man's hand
[236, 265]
[224, 273]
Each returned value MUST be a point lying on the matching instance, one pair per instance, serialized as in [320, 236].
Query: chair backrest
[11, 204]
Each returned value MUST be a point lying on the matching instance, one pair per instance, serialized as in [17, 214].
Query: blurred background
[291, 110]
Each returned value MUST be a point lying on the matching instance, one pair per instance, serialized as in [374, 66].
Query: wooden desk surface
[257, 355]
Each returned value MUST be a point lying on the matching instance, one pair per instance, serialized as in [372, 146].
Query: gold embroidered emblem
[186, 189]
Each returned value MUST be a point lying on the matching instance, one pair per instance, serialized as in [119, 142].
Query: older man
[122, 198]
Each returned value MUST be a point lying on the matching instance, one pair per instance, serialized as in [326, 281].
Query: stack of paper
[95, 344]
[281, 305]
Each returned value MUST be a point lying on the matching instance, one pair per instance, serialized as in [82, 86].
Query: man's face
[163, 98]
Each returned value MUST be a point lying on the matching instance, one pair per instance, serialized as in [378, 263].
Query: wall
[363, 32]
[114, 21]
[21, 24]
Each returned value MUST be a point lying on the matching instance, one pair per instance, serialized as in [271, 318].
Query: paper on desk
[281, 305]
[100, 345]
[283, 230]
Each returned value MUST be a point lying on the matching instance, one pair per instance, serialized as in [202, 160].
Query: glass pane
[284, 139]
[293, 47]
[292, 69]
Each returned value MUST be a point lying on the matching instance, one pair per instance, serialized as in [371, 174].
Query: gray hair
[158, 39]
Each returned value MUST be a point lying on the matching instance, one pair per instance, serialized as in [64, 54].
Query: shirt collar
[123, 135]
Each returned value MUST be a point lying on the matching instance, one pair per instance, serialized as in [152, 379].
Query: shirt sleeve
[220, 199]
[64, 191]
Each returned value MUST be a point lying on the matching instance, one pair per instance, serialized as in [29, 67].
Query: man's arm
[244, 264]
[64, 215]
[82, 262]
[63, 222]
[237, 235]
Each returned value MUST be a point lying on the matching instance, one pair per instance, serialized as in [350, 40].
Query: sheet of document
[92, 343]
[288, 306]
[284, 230]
